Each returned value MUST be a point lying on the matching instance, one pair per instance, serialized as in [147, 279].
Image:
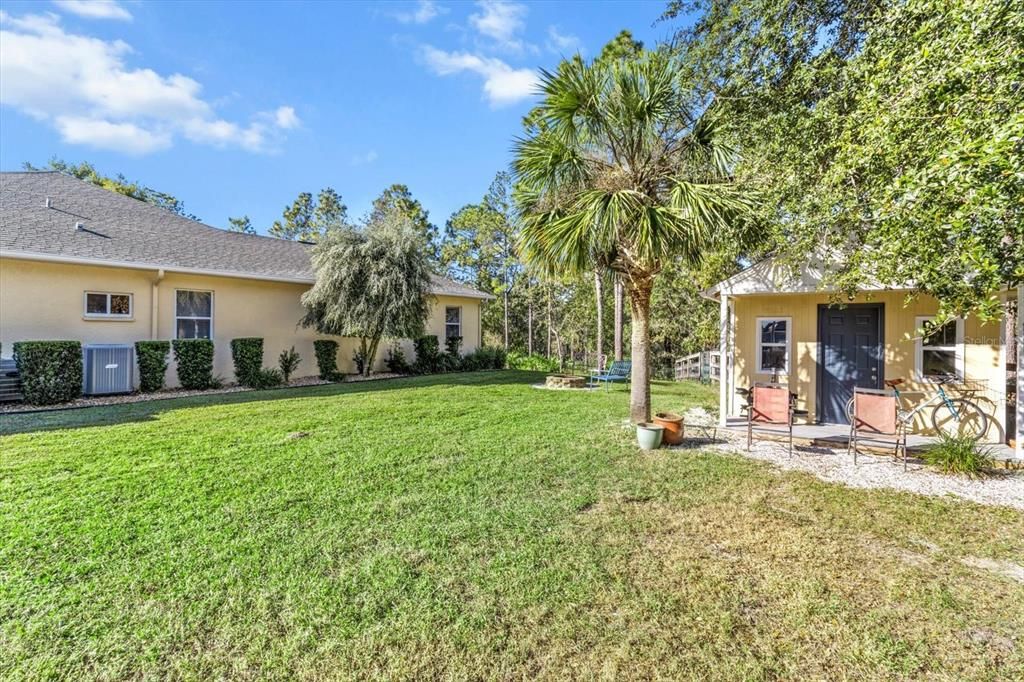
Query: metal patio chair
[770, 406]
[875, 417]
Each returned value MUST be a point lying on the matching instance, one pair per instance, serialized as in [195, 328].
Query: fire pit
[564, 381]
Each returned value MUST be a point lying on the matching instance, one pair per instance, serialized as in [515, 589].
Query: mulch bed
[170, 393]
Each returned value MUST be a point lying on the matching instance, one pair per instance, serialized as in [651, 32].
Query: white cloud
[502, 84]
[500, 21]
[361, 159]
[121, 137]
[286, 118]
[95, 9]
[425, 11]
[84, 88]
[563, 44]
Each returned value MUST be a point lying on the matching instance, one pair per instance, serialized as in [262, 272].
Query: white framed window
[773, 335]
[452, 322]
[939, 351]
[105, 305]
[193, 314]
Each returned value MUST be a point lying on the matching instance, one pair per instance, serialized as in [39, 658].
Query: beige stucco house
[82, 263]
[777, 324]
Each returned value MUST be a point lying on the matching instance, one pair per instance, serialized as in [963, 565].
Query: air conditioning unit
[109, 368]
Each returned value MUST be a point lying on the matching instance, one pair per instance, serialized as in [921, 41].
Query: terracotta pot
[648, 436]
[673, 425]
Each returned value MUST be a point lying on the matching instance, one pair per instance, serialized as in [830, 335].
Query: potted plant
[673, 425]
[648, 435]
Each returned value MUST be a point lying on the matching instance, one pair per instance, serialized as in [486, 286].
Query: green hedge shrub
[453, 345]
[396, 361]
[288, 361]
[326, 358]
[50, 371]
[481, 358]
[247, 354]
[152, 357]
[428, 355]
[484, 358]
[532, 363]
[451, 359]
[959, 455]
[195, 363]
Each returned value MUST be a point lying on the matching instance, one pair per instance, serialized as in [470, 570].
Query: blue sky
[235, 108]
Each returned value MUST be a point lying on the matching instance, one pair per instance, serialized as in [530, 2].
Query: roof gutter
[163, 269]
[76, 260]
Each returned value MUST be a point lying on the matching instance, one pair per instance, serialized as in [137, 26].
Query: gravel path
[1004, 488]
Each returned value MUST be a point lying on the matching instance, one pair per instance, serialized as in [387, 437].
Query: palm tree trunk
[618, 317]
[529, 328]
[599, 296]
[549, 324]
[640, 384]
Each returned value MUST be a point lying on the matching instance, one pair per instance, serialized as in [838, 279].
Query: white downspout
[723, 359]
[154, 312]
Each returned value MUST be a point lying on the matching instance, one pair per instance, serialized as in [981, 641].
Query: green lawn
[469, 526]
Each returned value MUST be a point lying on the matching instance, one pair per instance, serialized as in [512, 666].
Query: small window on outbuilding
[773, 345]
[452, 322]
[940, 349]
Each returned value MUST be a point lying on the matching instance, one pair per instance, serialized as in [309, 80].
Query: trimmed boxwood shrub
[152, 357]
[247, 354]
[195, 363]
[428, 355]
[326, 358]
[50, 371]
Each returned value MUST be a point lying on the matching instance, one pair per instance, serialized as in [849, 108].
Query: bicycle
[951, 416]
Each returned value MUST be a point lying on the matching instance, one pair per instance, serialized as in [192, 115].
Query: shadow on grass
[105, 415]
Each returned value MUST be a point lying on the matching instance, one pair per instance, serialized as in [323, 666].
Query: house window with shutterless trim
[773, 345]
[452, 322]
[193, 314]
[940, 351]
[107, 306]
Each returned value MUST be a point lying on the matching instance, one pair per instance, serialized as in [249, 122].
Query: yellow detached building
[81, 263]
[780, 326]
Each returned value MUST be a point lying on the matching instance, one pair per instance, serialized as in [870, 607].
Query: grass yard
[469, 526]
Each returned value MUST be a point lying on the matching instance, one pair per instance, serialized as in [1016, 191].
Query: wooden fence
[705, 366]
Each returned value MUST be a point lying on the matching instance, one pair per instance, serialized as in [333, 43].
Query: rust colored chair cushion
[874, 413]
[770, 405]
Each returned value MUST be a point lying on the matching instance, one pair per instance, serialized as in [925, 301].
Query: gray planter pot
[648, 436]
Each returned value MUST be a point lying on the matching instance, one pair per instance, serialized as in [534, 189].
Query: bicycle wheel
[961, 418]
[849, 410]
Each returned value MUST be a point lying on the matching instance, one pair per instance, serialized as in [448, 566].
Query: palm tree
[620, 171]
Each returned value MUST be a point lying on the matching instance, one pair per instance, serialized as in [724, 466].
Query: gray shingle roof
[119, 229]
